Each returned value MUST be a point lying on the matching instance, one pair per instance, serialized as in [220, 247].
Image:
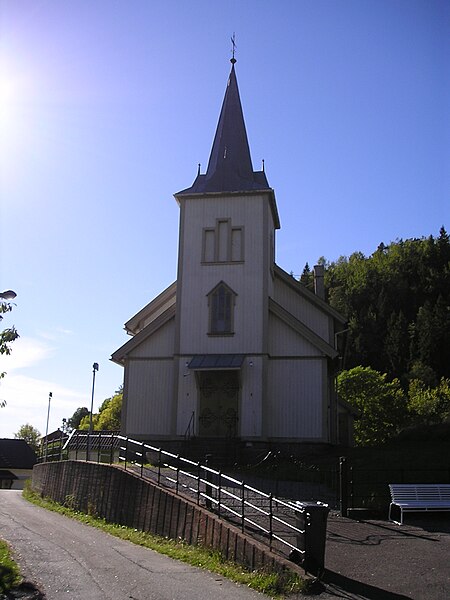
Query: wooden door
[219, 403]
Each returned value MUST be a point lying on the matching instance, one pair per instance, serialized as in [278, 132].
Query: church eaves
[230, 166]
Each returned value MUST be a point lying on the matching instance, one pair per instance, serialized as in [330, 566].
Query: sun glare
[7, 99]
[15, 96]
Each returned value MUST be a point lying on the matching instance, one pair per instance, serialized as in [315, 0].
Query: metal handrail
[271, 519]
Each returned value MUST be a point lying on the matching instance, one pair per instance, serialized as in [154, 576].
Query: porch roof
[216, 362]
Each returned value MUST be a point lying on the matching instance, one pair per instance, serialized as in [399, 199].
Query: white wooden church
[235, 347]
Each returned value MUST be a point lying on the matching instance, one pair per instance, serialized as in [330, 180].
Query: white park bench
[411, 497]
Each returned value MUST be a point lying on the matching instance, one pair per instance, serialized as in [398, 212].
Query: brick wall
[118, 496]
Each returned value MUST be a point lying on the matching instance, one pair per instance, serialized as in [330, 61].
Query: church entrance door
[219, 402]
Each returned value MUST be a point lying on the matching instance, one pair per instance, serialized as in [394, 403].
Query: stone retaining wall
[118, 496]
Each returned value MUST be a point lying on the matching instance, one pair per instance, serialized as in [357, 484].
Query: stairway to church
[217, 452]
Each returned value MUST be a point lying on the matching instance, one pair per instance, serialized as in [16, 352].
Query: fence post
[142, 459]
[243, 506]
[208, 488]
[178, 474]
[352, 487]
[111, 450]
[198, 482]
[270, 520]
[343, 485]
[159, 465]
[126, 453]
[219, 496]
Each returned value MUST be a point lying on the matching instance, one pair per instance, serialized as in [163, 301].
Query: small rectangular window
[208, 245]
[223, 243]
[222, 230]
[237, 253]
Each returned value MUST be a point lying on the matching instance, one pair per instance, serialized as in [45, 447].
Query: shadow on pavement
[344, 587]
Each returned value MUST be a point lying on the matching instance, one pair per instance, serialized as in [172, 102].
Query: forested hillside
[396, 361]
[397, 302]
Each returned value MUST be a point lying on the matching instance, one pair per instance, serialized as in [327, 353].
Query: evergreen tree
[397, 302]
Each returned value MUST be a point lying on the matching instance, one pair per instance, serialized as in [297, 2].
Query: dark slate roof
[4, 474]
[230, 166]
[16, 454]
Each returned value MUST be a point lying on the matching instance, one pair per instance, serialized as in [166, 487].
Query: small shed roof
[4, 474]
[103, 440]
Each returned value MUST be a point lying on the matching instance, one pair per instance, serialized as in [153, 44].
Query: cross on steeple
[233, 48]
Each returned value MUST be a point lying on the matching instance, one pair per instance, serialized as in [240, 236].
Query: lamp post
[8, 295]
[94, 371]
[46, 428]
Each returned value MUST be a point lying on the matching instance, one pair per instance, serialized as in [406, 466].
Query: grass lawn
[9, 571]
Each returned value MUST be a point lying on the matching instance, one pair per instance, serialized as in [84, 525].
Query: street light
[46, 429]
[8, 295]
[94, 370]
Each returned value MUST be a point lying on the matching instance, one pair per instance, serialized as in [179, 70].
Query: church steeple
[230, 166]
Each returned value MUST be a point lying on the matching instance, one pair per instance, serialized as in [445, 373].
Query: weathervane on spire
[233, 48]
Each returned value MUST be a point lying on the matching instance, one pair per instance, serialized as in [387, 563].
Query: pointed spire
[230, 166]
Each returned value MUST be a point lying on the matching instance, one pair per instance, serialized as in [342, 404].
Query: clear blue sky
[106, 107]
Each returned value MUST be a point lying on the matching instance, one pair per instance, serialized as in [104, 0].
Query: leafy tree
[30, 434]
[382, 404]
[108, 417]
[8, 335]
[85, 422]
[429, 404]
[75, 419]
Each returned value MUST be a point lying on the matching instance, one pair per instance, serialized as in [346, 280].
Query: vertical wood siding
[246, 279]
[302, 309]
[251, 397]
[284, 341]
[295, 399]
[160, 344]
[150, 397]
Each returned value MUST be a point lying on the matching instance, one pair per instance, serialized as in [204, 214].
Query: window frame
[216, 311]
[219, 243]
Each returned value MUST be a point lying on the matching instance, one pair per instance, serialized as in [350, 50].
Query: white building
[236, 347]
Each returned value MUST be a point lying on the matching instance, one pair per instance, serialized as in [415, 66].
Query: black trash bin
[311, 517]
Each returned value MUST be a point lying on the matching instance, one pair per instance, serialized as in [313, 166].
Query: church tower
[228, 219]
[236, 348]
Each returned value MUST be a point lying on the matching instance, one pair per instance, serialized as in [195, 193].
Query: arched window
[221, 302]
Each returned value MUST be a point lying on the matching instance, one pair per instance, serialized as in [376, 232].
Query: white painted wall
[150, 397]
[251, 397]
[306, 312]
[284, 341]
[245, 279]
[295, 399]
[160, 344]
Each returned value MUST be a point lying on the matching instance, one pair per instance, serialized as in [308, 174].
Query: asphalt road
[70, 560]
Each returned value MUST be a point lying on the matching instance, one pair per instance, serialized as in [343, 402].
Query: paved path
[373, 560]
[378, 560]
[69, 560]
